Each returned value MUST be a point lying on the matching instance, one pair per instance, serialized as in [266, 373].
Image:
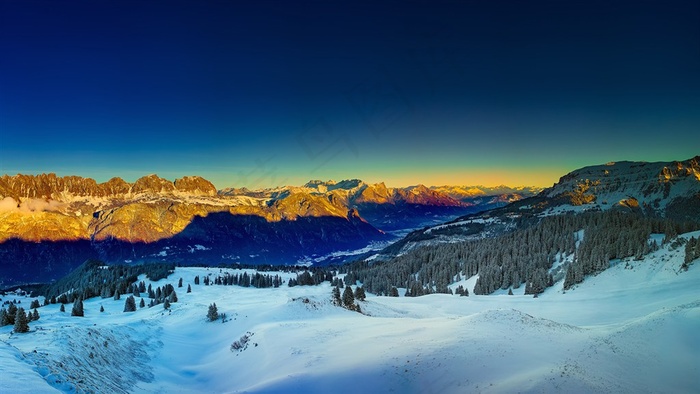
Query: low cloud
[39, 205]
[8, 204]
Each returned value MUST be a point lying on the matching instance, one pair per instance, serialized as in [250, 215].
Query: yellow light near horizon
[489, 178]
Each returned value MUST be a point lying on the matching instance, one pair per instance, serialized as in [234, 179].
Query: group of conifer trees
[16, 316]
[161, 295]
[94, 278]
[256, 280]
[307, 278]
[607, 237]
[347, 300]
[521, 257]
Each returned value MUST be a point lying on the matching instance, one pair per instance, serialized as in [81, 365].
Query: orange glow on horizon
[488, 178]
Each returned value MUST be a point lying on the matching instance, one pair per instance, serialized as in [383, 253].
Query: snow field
[632, 328]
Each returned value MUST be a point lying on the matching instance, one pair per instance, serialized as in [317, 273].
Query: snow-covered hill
[632, 328]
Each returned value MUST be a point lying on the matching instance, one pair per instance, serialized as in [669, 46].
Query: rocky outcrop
[196, 186]
[652, 185]
[152, 184]
[47, 186]
[375, 194]
[114, 187]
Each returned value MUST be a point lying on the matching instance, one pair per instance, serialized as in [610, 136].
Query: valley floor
[631, 329]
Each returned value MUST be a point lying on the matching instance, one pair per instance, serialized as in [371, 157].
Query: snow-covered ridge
[630, 184]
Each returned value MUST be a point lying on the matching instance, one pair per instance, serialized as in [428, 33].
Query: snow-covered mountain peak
[654, 186]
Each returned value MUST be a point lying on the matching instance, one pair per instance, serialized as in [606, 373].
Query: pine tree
[35, 315]
[172, 297]
[4, 320]
[21, 321]
[336, 296]
[189, 288]
[117, 296]
[196, 280]
[35, 304]
[348, 297]
[394, 292]
[142, 303]
[63, 308]
[11, 312]
[130, 304]
[179, 283]
[510, 291]
[213, 313]
[77, 308]
[166, 304]
[360, 293]
[690, 248]
[102, 308]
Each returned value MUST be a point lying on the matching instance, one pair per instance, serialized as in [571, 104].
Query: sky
[260, 94]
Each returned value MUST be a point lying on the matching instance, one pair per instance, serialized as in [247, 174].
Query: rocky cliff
[49, 224]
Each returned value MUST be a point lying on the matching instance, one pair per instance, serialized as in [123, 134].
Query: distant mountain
[50, 224]
[384, 207]
[496, 195]
[354, 191]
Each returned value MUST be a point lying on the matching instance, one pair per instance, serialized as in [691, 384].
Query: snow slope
[632, 328]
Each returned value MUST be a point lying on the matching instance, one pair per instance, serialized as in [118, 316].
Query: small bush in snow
[242, 343]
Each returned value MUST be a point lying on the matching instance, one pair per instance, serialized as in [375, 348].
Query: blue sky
[267, 93]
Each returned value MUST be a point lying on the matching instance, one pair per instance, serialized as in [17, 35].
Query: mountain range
[51, 224]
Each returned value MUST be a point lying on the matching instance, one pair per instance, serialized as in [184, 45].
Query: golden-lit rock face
[681, 169]
[145, 222]
[303, 204]
[651, 186]
[152, 184]
[50, 186]
[583, 192]
[42, 226]
[378, 194]
[419, 195]
[196, 186]
[47, 207]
